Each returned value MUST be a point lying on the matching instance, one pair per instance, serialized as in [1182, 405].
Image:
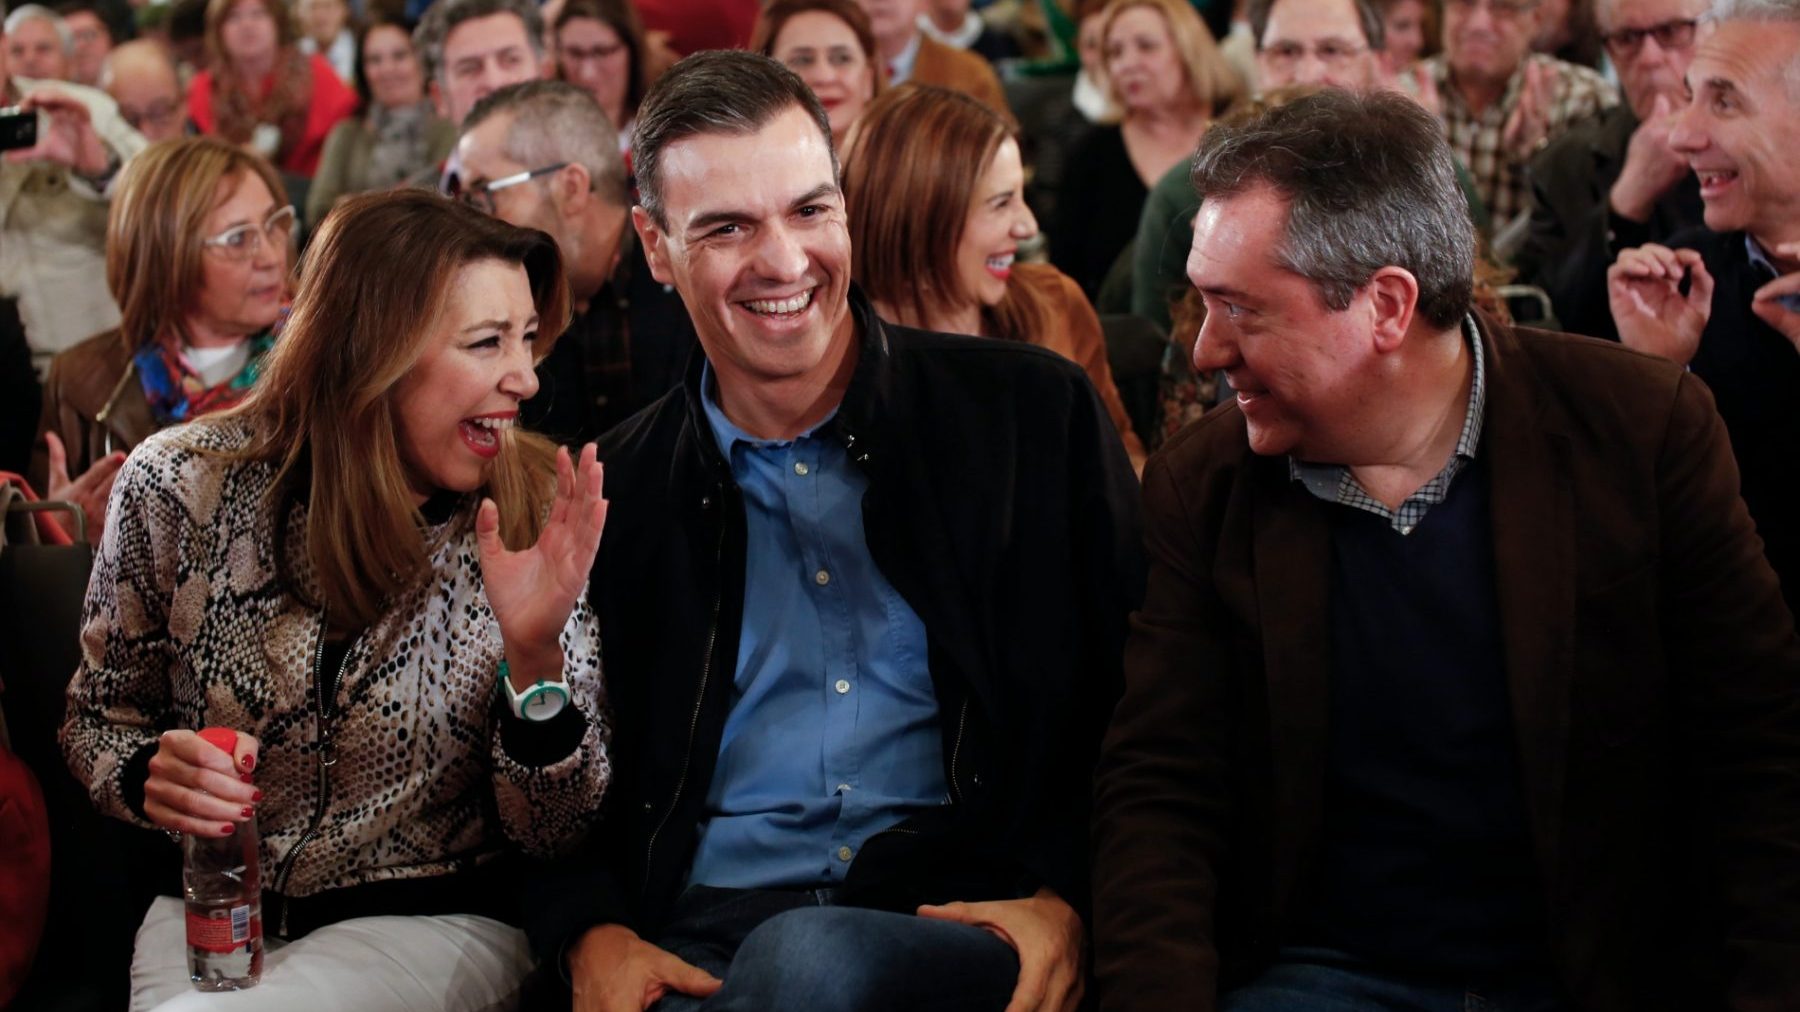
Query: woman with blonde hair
[259, 90]
[378, 582]
[197, 258]
[830, 45]
[1167, 80]
[934, 190]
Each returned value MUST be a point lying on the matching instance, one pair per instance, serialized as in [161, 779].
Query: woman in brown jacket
[935, 193]
[197, 256]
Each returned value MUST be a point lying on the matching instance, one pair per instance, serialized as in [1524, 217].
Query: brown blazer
[1653, 670]
[91, 394]
[958, 70]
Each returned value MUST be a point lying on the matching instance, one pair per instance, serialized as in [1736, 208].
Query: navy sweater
[1427, 866]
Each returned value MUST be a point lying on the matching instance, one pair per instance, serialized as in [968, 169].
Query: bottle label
[220, 930]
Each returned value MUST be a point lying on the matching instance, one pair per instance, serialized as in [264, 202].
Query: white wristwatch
[540, 702]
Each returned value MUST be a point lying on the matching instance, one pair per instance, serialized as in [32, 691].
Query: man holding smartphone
[53, 209]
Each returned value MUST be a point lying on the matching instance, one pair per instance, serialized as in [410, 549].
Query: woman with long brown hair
[368, 573]
[600, 49]
[934, 189]
[261, 91]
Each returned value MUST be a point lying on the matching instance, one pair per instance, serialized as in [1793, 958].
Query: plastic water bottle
[222, 883]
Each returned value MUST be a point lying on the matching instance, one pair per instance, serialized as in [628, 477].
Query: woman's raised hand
[533, 591]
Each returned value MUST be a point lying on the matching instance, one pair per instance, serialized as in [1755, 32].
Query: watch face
[542, 702]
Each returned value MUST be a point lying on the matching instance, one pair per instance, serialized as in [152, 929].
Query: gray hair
[552, 122]
[721, 91]
[1779, 11]
[444, 15]
[1374, 28]
[38, 12]
[1370, 183]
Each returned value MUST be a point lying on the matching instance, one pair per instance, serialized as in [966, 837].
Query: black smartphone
[17, 129]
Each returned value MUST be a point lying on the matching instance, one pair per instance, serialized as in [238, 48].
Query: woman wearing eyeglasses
[600, 49]
[378, 582]
[197, 257]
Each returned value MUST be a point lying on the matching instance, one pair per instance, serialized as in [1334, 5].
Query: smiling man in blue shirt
[863, 597]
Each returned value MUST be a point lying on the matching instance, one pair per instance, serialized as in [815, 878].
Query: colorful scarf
[175, 391]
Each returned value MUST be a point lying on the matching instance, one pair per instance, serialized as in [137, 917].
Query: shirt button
[842, 686]
[844, 853]
[800, 468]
[1406, 529]
[843, 788]
[821, 578]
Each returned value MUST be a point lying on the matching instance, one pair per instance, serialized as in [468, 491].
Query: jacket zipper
[962, 722]
[687, 756]
[327, 753]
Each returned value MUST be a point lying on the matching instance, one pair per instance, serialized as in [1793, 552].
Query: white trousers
[449, 963]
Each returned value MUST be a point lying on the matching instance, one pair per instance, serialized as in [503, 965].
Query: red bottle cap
[223, 738]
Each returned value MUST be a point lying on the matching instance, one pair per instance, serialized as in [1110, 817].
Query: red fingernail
[250, 762]
[246, 778]
[248, 811]
[228, 828]
[256, 797]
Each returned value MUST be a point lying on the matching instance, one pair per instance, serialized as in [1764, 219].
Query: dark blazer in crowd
[1097, 209]
[1652, 670]
[1575, 236]
[1754, 372]
[1025, 645]
[621, 354]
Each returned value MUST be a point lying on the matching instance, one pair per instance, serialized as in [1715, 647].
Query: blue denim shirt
[833, 730]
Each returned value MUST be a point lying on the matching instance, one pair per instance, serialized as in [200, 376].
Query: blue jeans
[1319, 980]
[794, 950]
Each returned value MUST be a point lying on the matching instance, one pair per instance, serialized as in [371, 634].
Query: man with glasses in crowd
[1501, 103]
[53, 204]
[543, 155]
[1725, 300]
[1613, 182]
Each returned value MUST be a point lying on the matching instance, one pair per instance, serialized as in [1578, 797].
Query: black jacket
[1575, 236]
[1000, 505]
[1754, 373]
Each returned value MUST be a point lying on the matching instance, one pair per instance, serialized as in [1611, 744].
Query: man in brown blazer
[911, 55]
[1461, 680]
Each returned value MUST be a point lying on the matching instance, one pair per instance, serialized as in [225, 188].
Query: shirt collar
[900, 68]
[1325, 478]
[726, 433]
[1760, 259]
[961, 37]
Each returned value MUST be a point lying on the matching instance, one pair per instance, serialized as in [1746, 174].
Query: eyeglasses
[241, 242]
[156, 113]
[1332, 53]
[579, 54]
[1503, 10]
[481, 195]
[1625, 42]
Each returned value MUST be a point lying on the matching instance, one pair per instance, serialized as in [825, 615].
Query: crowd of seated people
[1304, 623]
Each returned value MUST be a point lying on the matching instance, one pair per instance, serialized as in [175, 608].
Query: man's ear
[656, 245]
[1393, 301]
[572, 189]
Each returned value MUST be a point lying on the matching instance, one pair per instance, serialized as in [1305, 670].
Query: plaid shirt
[1335, 484]
[1577, 92]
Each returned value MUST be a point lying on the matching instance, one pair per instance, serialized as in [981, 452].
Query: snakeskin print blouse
[187, 625]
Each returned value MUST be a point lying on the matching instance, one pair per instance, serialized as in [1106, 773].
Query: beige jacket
[53, 234]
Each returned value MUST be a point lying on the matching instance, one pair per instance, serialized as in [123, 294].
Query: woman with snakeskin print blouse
[377, 581]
